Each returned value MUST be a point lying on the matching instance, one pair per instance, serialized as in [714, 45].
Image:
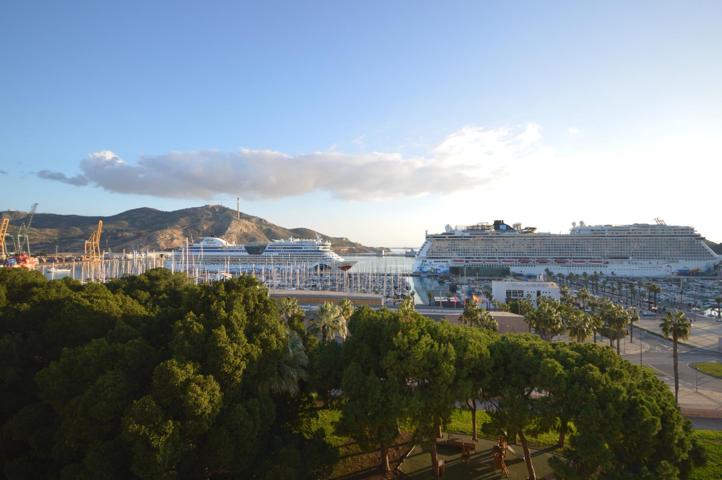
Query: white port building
[504, 291]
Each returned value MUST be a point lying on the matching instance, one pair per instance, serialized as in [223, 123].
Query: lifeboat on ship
[542, 260]
[524, 260]
[561, 260]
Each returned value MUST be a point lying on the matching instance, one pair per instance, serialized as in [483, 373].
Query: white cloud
[573, 131]
[466, 159]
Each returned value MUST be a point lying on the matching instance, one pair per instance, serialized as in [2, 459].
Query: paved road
[658, 355]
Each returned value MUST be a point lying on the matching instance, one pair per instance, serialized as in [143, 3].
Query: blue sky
[371, 120]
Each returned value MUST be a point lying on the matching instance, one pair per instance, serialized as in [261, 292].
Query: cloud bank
[78, 180]
[466, 159]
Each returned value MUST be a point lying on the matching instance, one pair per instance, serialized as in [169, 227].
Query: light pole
[641, 348]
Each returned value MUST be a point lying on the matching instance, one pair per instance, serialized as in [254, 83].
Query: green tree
[676, 326]
[472, 368]
[373, 405]
[291, 313]
[347, 308]
[523, 307]
[547, 318]
[629, 426]
[582, 298]
[475, 316]
[424, 361]
[615, 320]
[328, 323]
[633, 316]
[577, 323]
[290, 370]
[152, 377]
[516, 367]
[407, 305]
[652, 290]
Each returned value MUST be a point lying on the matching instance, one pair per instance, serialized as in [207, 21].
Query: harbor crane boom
[3, 232]
[24, 232]
[92, 245]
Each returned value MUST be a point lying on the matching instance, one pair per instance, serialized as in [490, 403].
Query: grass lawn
[353, 459]
[712, 442]
[710, 368]
[461, 423]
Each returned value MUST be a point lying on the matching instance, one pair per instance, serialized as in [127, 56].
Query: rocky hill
[150, 229]
[717, 247]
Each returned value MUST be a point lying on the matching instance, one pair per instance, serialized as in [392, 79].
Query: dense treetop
[156, 377]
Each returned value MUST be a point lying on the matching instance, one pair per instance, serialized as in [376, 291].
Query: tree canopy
[153, 376]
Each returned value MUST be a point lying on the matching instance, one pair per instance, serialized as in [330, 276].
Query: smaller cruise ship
[312, 252]
[215, 248]
[280, 253]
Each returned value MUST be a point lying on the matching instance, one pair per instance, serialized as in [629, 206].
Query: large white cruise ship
[638, 250]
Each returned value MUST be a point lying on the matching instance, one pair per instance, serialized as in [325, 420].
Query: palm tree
[633, 315]
[475, 316]
[614, 321]
[565, 294]
[347, 309]
[290, 370]
[329, 322]
[595, 282]
[583, 298]
[289, 308]
[652, 291]
[676, 325]
[548, 274]
[547, 319]
[595, 323]
[579, 324]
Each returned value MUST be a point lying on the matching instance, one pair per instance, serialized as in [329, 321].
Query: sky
[375, 121]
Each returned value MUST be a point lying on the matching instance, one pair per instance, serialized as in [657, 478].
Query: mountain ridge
[147, 228]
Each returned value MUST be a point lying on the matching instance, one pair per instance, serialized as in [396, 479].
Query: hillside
[150, 229]
[717, 247]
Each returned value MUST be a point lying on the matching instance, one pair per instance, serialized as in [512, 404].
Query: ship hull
[630, 269]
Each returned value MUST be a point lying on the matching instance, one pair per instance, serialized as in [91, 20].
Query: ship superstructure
[216, 248]
[637, 250]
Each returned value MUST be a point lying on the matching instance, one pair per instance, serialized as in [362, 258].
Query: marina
[387, 277]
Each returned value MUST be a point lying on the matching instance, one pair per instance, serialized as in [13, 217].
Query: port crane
[3, 232]
[92, 245]
[22, 237]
